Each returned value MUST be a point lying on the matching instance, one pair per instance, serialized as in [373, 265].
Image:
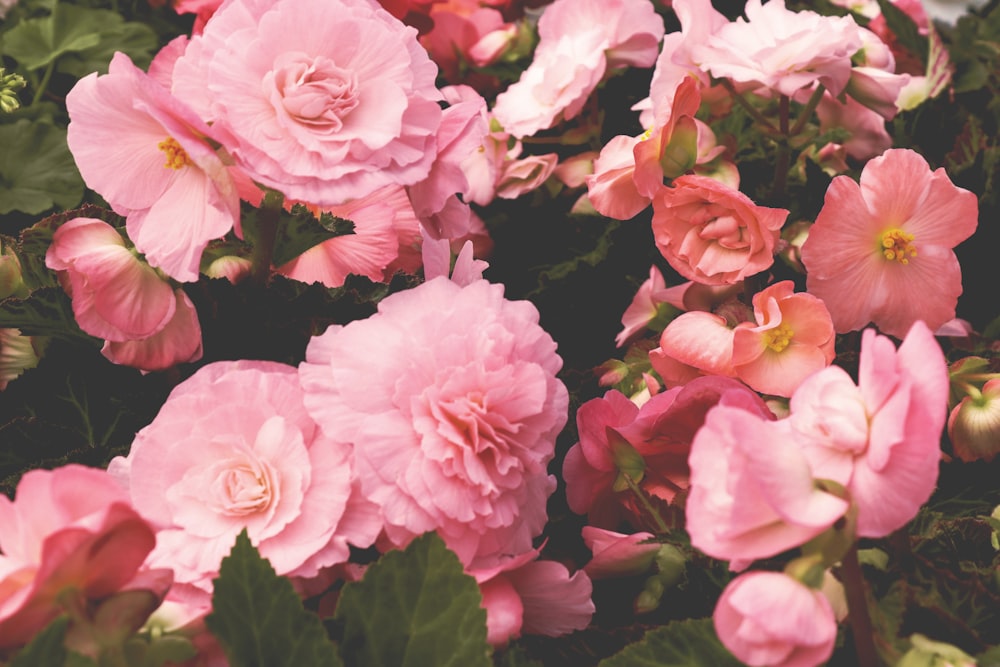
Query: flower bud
[18, 353]
[974, 424]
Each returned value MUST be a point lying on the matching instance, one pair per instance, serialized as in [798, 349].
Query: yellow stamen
[646, 135]
[177, 157]
[778, 338]
[898, 245]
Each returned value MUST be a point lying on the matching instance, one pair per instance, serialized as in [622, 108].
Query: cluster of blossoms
[440, 412]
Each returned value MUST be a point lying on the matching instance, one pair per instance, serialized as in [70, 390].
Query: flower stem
[807, 111]
[749, 108]
[267, 234]
[857, 605]
[661, 525]
[40, 90]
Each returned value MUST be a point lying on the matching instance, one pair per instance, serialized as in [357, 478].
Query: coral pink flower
[712, 233]
[456, 438]
[882, 252]
[322, 120]
[233, 448]
[782, 50]
[68, 529]
[793, 338]
[149, 156]
[769, 619]
[645, 307]
[880, 438]
[753, 494]
[694, 344]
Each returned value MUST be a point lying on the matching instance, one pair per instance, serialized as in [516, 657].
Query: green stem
[40, 90]
[807, 111]
[648, 506]
[267, 234]
[749, 108]
[857, 605]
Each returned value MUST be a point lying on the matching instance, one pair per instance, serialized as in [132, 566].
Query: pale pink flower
[526, 174]
[782, 50]
[769, 619]
[456, 438]
[611, 188]
[645, 306]
[880, 439]
[882, 252]
[234, 449]
[712, 233]
[792, 338]
[695, 343]
[69, 532]
[466, 31]
[149, 156]
[866, 133]
[321, 120]
[753, 494]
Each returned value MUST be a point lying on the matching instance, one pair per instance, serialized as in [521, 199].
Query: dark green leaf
[46, 648]
[904, 29]
[37, 171]
[688, 643]
[414, 608]
[35, 43]
[300, 231]
[259, 619]
[136, 40]
[45, 312]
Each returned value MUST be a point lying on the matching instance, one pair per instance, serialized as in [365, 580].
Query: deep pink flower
[68, 529]
[881, 251]
[712, 233]
[233, 448]
[880, 438]
[455, 438]
[322, 120]
[149, 156]
[769, 619]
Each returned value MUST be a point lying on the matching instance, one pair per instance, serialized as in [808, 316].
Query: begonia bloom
[880, 439]
[456, 438]
[234, 449]
[178, 342]
[72, 528]
[712, 233]
[321, 120]
[792, 338]
[769, 619]
[694, 344]
[617, 554]
[881, 251]
[149, 156]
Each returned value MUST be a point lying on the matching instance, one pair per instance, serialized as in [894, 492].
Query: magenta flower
[881, 251]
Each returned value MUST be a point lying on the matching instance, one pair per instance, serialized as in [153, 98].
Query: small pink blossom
[712, 233]
[694, 344]
[68, 529]
[456, 438]
[866, 133]
[149, 156]
[881, 251]
[769, 619]
[645, 306]
[617, 554]
[526, 174]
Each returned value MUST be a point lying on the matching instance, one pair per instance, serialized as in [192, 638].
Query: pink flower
[880, 438]
[645, 307]
[769, 619]
[233, 448]
[882, 252]
[712, 233]
[782, 50]
[68, 529]
[521, 176]
[793, 338]
[694, 344]
[149, 156]
[323, 120]
[617, 554]
[456, 438]
[753, 494]
[178, 342]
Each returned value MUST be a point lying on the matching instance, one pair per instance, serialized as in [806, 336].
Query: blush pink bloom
[769, 619]
[455, 439]
[645, 307]
[712, 233]
[68, 529]
[178, 342]
[149, 156]
[881, 251]
[753, 494]
[323, 120]
[617, 554]
[694, 344]
[792, 338]
[233, 448]
[524, 175]
[782, 50]
[880, 439]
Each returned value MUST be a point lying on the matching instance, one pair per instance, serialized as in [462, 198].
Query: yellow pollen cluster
[646, 135]
[177, 157]
[897, 245]
[778, 338]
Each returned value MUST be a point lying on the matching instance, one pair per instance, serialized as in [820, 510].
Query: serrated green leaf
[414, 608]
[37, 171]
[45, 312]
[687, 643]
[300, 231]
[259, 619]
[46, 648]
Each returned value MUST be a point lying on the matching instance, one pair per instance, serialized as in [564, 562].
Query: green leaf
[46, 648]
[412, 609]
[259, 619]
[680, 644]
[137, 40]
[37, 171]
[301, 230]
[35, 43]
[904, 29]
[45, 312]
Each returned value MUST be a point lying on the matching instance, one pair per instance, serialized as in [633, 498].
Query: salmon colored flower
[881, 251]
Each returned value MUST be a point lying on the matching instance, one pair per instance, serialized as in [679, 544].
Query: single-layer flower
[881, 251]
[449, 399]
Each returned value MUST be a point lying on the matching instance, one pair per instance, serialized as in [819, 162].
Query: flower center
[315, 92]
[243, 489]
[177, 157]
[778, 338]
[898, 245]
